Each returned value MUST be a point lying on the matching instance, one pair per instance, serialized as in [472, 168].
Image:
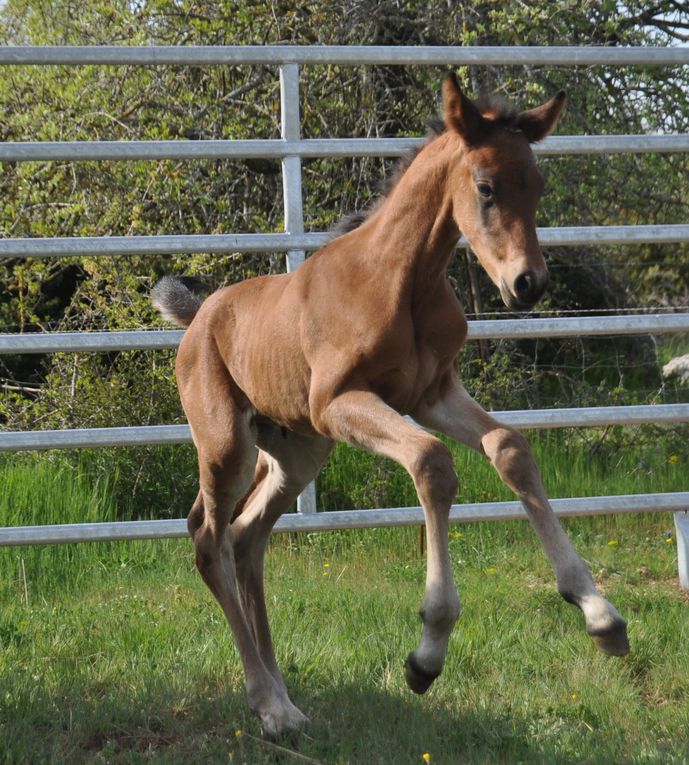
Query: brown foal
[273, 370]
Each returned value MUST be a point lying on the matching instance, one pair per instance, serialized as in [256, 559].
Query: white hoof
[278, 715]
[287, 720]
[605, 625]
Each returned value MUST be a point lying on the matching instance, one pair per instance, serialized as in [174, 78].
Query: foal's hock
[272, 371]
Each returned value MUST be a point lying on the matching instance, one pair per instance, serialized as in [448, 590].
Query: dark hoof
[613, 641]
[418, 679]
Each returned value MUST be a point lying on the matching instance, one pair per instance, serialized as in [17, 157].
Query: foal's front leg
[460, 417]
[362, 419]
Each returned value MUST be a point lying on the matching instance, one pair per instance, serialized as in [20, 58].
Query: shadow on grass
[351, 723]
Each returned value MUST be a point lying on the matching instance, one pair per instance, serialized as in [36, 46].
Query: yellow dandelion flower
[612, 543]
[574, 697]
[669, 540]
[491, 570]
[326, 565]
[673, 458]
[426, 757]
[238, 733]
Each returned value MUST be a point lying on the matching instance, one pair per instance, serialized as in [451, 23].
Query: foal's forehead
[507, 154]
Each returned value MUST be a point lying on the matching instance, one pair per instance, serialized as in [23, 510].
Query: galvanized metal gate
[290, 149]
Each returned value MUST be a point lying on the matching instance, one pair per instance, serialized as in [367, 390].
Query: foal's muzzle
[527, 290]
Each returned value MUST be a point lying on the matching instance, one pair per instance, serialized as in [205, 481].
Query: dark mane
[435, 128]
[493, 107]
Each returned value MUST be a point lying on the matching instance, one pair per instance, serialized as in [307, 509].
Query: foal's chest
[437, 334]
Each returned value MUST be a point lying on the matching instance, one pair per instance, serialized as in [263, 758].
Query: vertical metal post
[293, 204]
[682, 529]
[291, 166]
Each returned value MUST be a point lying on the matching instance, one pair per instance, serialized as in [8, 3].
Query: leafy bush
[168, 197]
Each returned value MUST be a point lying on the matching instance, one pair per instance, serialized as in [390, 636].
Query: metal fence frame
[290, 149]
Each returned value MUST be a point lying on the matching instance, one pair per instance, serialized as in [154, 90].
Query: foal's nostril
[526, 287]
[525, 291]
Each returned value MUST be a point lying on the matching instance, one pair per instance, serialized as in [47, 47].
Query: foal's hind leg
[459, 416]
[287, 462]
[227, 456]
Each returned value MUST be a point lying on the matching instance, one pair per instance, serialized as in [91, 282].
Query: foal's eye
[485, 190]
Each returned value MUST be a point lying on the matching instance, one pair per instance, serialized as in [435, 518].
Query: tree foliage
[58, 103]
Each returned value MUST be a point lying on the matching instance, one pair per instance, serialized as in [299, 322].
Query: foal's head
[495, 186]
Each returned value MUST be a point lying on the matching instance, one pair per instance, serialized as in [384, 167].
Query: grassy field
[116, 653]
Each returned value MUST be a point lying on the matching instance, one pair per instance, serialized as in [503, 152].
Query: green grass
[116, 653]
[56, 488]
[583, 463]
[136, 665]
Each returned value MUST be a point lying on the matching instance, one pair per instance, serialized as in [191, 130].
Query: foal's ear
[460, 113]
[537, 123]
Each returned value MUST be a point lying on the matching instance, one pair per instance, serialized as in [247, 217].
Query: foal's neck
[414, 230]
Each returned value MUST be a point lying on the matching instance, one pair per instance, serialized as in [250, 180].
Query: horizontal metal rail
[352, 55]
[44, 247]
[35, 440]
[481, 329]
[57, 342]
[575, 326]
[595, 416]
[346, 519]
[275, 148]
[79, 438]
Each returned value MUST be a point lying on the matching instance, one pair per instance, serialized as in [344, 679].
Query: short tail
[178, 298]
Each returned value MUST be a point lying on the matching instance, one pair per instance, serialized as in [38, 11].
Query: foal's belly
[277, 386]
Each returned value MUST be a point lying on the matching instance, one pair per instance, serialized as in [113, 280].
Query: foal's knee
[434, 474]
[211, 543]
[195, 517]
[511, 455]
[205, 552]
